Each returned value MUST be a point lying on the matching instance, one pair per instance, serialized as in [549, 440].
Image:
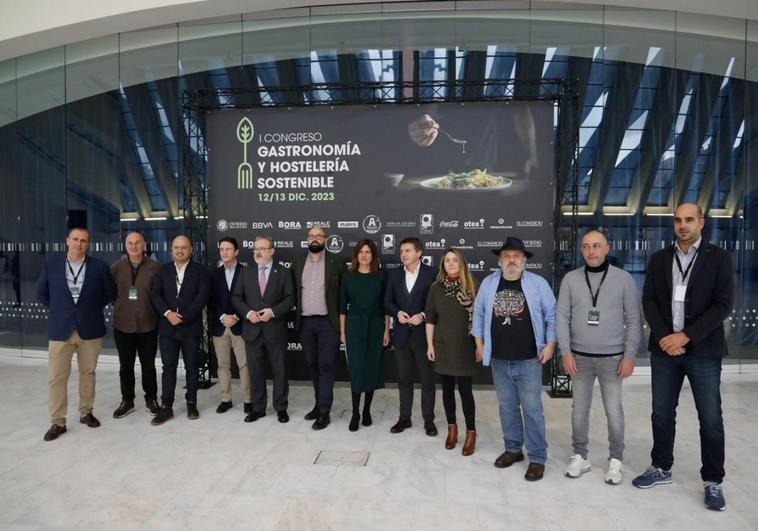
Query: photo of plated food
[475, 179]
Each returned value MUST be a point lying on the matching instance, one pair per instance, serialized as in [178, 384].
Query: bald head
[135, 247]
[688, 224]
[181, 249]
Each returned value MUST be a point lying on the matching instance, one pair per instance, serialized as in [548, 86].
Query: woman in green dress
[451, 348]
[364, 327]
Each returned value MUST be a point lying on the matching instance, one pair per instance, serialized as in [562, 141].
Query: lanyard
[76, 276]
[597, 293]
[135, 272]
[679, 264]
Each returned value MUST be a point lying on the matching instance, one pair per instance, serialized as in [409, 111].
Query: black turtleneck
[599, 269]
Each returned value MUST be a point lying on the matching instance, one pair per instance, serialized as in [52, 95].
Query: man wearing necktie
[264, 295]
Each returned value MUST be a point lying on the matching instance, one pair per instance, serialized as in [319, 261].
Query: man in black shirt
[514, 329]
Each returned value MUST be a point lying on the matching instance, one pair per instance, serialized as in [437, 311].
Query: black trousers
[467, 399]
[321, 344]
[170, 348]
[129, 346]
[412, 358]
[255, 352]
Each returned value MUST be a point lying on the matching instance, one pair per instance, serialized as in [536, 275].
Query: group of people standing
[441, 323]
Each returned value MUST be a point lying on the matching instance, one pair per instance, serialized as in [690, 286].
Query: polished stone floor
[220, 473]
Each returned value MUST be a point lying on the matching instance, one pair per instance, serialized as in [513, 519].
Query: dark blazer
[86, 316]
[221, 300]
[190, 303]
[707, 302]
[397, 298]
[279, 296]
[333, 270]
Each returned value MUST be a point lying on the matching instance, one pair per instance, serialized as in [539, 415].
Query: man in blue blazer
[226, 325]
[688, 293]
[405, 300]
[75, 288]
[180, 292]
[263, 296]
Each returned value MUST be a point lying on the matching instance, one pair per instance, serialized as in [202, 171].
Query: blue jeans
[519, 390]
[704, 374]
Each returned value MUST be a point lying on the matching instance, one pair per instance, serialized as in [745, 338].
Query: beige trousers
[223, 345]
[59, 358]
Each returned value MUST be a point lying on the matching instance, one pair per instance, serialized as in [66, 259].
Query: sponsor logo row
[372, 224]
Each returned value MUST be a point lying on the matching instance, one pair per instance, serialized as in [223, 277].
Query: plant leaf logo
[245, 131]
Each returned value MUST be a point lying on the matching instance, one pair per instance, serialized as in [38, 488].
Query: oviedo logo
[245, 131]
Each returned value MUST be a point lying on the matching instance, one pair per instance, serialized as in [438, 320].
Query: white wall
[28, 26]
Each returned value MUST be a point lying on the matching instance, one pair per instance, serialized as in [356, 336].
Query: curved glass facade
[668, 112]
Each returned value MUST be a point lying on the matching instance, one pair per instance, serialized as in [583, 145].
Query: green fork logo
[245, 132]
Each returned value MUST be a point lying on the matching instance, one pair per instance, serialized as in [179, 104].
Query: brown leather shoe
[534, 472]
[452, 436]
[470, 443]
[54, 432]
[430, 429]
[506, 459]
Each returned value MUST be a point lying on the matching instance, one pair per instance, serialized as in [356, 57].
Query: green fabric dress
[361, 302]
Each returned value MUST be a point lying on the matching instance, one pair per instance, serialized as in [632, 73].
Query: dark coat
[707, 303]
[397, 298]
[192, 298]
[86, 315]
[279, 296]
[333, 270]
[221, 301]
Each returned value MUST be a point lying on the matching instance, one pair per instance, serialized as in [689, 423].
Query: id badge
[75, 291]
[593, 317]
[132, 294]
[679, 292]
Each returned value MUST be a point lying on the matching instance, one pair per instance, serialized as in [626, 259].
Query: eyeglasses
[316, 237]
[261, 249]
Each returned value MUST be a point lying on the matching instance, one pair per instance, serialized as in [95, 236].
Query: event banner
[452, 174]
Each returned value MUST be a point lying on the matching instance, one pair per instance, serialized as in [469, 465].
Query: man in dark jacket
[75, 288]
[180, 292]
[405, 300]
[687, 295]
[226, 325]
[317, 287]
[263, 297]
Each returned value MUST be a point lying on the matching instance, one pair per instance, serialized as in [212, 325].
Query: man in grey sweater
[598, 329]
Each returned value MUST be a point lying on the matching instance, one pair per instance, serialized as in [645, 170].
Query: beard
[315, 247]
[513, 272]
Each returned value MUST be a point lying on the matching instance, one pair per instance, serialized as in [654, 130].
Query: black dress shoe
[223, 407]
[322, 422]
[366, 419]
[401, 425]
[152, 406]
[312, 414]
[123, 409]
[192, 412]
[54, 432]
[282, 417]
[354, 421]
[254, 415]
[248, 407]
[166, 413]
[430, 429]
[90, 420]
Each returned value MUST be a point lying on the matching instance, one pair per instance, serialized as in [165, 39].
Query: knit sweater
[619, 306]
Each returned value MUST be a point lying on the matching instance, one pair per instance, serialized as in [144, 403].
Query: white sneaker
[577, 466]
[614, 476]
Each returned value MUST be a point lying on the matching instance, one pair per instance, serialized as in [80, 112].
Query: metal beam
[668, 97]
[613, 128]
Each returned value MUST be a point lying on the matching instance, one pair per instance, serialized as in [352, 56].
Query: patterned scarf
[452, 288]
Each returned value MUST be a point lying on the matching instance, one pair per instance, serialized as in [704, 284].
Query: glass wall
[667, 112]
